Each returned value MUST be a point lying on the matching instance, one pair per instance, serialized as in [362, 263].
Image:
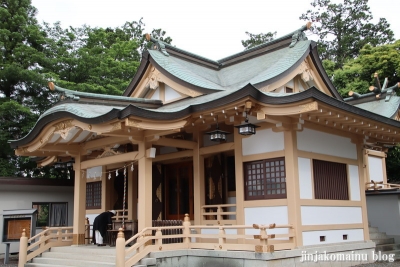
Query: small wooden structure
[14, 221]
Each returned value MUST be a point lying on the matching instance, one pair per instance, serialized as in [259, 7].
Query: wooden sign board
[15, 227]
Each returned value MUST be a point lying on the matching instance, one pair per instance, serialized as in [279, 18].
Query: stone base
[348, 254]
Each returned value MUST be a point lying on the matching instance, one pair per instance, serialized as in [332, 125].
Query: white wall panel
[324, 143]
[263, 141]
[319, 215]
[266, 215]
[375, 168]
[305, 181]
[332, 236]
[170, 94]
[354, 183]
[156, 94]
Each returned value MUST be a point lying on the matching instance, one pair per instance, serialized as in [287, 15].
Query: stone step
[387, 256]
[378, 235]
[387, 247]
[373, 229]
[72, 262]
[382, 241]
[79, 256]
[89, 249]
[42, 265]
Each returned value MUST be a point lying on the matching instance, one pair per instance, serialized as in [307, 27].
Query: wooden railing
[218, 214]
[146, 242]
[380, 185]
[51, 237]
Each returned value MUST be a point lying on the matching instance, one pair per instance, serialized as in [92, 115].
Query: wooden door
[179, 190]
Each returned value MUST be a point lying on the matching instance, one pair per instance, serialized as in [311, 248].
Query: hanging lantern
[218, 135]
[247, 128]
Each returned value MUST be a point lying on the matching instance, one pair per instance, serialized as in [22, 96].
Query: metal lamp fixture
[217, 135]
[247, 128]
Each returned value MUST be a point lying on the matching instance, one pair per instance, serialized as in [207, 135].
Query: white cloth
[99, 238]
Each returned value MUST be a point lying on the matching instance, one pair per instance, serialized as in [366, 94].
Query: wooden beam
[176, 155]
[102, 142]
[175, 143]
[126, 157]
[217, 148]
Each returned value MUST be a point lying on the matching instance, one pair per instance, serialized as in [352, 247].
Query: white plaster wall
[316, 215]
[263, 141]
[375, 168]
[170, 94]
[266, 215]
[156, 94]
[305, 178]
[231, 200]
[332, 236]
[317, 142]
[384, 212]
[21, 197]
[354, 183]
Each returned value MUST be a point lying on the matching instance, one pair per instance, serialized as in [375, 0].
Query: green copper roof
[381, 107]
[82, 110]
[252, 70]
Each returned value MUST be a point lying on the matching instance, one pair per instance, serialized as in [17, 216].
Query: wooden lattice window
[93, 195]
[330, 180]
[265, 179]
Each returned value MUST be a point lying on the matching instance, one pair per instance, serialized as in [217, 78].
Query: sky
[209, 28]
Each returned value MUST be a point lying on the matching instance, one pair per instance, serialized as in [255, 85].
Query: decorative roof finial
[299, 35]
[157, 44]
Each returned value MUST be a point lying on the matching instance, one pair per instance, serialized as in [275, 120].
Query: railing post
[186, 230]
[159, 240]
[59, 235]
[87, 231]
[23, 249]
[221, 238]
[120, 247]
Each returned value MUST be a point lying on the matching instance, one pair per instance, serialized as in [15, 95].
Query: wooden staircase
[82, 256]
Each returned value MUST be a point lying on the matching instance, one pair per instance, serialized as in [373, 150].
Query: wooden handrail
[380, 185]
[150, 239]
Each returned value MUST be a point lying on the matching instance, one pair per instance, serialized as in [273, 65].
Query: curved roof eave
[45, 120]
[247, 91]
[144, 63]
[318, 63]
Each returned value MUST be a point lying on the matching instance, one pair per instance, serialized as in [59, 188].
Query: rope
[123, 204]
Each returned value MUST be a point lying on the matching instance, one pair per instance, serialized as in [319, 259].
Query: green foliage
[357, 74]
[87, 59]
[96, 60]
[344, 28]
[257, 39]
[15, 122]
[392, 164]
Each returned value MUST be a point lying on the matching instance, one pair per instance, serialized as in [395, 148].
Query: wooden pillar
[145, 181]
[292, 185]
[198, 179]
[362, 170]
[79, 204]
[239, 181]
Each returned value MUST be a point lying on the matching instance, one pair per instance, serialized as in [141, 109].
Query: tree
[357, 74]
[344, 28]
[392, 164]
[96, 60]
[257, 39]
